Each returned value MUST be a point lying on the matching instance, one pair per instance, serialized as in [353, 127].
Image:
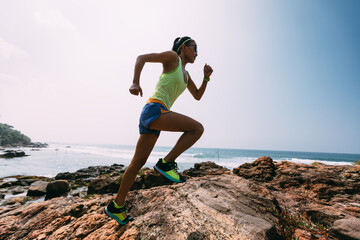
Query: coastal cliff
[10, 137]
[255, 201]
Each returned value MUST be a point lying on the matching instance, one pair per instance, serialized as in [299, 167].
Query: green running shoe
[119, 214]
[169, 170]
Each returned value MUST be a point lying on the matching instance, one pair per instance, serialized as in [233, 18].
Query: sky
[286, 73]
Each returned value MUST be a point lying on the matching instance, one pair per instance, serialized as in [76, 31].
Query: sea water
[72, 157]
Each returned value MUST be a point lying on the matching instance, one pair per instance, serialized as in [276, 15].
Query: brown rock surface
[210, 207]
[212, 204]
[37, 188]
[262, 169]
[347, 228]
[205, 168]
[324, 193]
[57, 188]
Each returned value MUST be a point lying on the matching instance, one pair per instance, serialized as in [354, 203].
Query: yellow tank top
[170, 86]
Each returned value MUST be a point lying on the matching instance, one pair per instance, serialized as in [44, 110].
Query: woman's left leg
[176, 122]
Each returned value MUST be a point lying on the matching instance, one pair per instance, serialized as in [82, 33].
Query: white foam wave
[310, 161]
[99, 151]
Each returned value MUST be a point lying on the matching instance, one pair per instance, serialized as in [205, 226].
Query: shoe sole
[166, 175]
[109, 214]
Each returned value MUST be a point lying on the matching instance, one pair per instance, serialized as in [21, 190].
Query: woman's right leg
[143, 149]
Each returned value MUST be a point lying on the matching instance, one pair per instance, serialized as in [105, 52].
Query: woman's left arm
[198, 93]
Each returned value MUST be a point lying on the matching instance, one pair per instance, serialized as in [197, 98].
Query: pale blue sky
[286, 73]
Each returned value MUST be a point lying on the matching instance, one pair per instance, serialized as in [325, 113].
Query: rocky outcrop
[346, 228]
[205, 168]
[37, 188]
[85, 175]
[51, 189]
[104, 184]
[77, 183]
[57, 188]
[262, 170]
[214, 203]
[12, 154]
[37, 145]
[210, 207]
[323, 193]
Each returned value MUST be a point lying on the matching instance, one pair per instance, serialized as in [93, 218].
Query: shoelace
[174, 166]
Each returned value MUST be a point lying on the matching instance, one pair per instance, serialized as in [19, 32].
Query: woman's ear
[183, 47]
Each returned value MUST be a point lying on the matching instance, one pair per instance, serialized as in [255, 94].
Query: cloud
[8, 50]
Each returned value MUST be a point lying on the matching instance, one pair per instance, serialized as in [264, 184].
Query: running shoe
[169, 170]
[119, 214]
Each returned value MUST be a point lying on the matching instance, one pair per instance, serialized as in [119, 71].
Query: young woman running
[156, 116]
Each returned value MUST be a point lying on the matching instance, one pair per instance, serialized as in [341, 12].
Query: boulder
[104, 184]
[37, 188]
[57, 188]
[15, 201]
[205, 168]
[65, 176]
[262, 170]
[346, 229]
[17, 190]
[12, 154]
[85, 175]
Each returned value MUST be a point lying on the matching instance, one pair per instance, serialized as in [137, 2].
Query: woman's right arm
[168, 59]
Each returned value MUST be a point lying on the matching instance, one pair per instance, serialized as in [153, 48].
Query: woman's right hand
[135, 89]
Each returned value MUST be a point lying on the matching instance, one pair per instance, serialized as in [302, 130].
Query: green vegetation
[120, 178]
[287, 223]
[357, 162]
[88, 196]
[317, 164]
[10, 136]
[141, 172]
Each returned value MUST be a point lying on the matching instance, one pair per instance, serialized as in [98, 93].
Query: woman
[156, 116]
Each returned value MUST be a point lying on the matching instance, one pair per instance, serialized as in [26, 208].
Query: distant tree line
[10, 136]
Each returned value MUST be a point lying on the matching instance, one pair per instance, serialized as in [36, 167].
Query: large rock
[12, 154]
[57, 188]
[346, 229]
[210, 207]
[262, 169]
[88, 174]
[323, 193]
[205, 168]
[37, 188]
[104, 184]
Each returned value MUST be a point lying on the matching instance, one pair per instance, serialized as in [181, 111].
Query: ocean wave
[310, 161]
[205, 155]
[94, 150]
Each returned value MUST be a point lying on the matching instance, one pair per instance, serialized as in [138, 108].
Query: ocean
[72, 157]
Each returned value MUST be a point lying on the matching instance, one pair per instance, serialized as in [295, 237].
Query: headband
[183, 43]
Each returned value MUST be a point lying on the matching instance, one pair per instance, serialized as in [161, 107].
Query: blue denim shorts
[150, 113]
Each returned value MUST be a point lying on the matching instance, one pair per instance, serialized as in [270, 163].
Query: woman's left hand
[207, 71]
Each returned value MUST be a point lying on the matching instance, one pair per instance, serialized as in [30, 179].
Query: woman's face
[191, 51]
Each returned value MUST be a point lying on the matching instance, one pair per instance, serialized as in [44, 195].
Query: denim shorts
[149, 114]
